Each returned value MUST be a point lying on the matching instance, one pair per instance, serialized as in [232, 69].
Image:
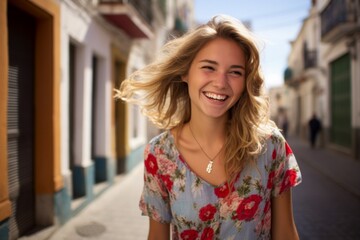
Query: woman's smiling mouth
[214, 96]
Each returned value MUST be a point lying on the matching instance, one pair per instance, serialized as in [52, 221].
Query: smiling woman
[216, 78]
[221, 169]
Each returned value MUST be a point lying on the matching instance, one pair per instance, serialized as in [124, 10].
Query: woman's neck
[210, 132]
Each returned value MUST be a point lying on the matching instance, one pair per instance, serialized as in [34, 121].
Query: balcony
[134, 17]
[288, 74]
[180, 27]
[338, 19]
[310, 60]
[293, 79]
[289, 78]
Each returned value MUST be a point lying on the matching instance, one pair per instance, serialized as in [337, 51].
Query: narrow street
[324, 208]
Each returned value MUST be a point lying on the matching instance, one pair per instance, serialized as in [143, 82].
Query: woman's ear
[184, 78]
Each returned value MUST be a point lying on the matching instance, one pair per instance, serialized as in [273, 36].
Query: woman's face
[216, 78]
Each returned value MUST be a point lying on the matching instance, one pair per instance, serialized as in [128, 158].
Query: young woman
[221, 169]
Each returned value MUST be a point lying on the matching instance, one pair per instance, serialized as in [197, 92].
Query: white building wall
[137, 121]
[286, 98]
[83, 101]
[73, 28]
[64, 103]
[294, 59]
[291, 98]
[310, 95]
[79, 27]
[99, 43]
[306, 94]
[274, 101]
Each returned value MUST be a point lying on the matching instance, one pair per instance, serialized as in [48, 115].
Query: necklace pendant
[209, 167]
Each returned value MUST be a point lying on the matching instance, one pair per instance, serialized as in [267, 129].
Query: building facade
[323, 71]
[63, 137]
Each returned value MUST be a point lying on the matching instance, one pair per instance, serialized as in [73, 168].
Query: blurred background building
[323, 76]
[63, 138]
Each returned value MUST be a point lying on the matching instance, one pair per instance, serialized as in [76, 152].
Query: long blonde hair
[162, 95]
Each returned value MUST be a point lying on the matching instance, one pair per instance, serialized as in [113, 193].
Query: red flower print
[248, 207]
[223, 191]
[289, 180]
[271, 180]
[189, 234]
[273, 154]
[288, 149]
[207, 234]
[167, 181]
[151, 164]
[267, 207]
[207, 213]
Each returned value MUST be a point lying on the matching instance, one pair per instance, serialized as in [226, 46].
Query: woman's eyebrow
[209, 61]
[216, 63]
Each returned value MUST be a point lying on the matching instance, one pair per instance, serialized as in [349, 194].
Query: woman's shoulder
[273, 137]
[276, 135]
[159, 140]
[163, 136]
[271, 133]
[162, 144]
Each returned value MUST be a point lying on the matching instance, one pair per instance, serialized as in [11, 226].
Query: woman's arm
[283, 225]
[158, 231]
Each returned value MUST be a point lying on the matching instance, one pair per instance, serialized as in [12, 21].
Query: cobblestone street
[324, 208]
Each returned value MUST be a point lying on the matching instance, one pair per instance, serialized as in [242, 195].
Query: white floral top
[174, 194]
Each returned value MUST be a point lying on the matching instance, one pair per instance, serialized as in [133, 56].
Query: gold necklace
[211, 160]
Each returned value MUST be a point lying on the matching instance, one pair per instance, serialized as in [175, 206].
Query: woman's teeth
[215, 96]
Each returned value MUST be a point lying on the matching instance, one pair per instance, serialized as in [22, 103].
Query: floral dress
[195, 209]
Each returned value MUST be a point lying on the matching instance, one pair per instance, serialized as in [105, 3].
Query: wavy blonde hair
[162, 95]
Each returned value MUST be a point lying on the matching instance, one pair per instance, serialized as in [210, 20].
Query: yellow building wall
[120, 144]
[48, 177]
[5, 207]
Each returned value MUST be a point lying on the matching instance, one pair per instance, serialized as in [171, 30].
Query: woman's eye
[208, 68]
[236, 73]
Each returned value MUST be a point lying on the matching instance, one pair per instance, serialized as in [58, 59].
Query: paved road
[114, 215]
[323, 209]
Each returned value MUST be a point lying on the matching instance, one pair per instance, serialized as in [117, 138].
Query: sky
[274, 22]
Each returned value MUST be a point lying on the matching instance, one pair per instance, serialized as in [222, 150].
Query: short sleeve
[285, 172]
[154, 201]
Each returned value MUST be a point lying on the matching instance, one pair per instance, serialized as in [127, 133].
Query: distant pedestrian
[221, 169]
[284, 124]
[314, 128]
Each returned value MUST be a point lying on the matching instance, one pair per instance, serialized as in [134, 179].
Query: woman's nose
[220, 80]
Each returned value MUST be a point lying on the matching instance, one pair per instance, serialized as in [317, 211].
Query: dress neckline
[172, 140]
